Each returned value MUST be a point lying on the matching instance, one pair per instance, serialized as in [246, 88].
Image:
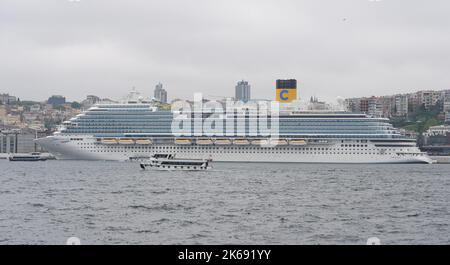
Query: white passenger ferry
[123, 131]
[169, 162]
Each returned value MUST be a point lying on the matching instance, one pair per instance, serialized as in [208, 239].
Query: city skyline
[351, 48]
[150, 95]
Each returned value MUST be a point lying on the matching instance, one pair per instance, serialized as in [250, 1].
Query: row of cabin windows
[254, 151]
[264, 152]
[234, 148]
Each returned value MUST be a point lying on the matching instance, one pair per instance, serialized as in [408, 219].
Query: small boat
[297, 142]
[260, 142]
[144, 141]
[222, 142]
[183, 141]
[28, 157]
[241, 142]
[278, 142]
[108, 141]
[126, 141]
[204, 141]
[169, 162]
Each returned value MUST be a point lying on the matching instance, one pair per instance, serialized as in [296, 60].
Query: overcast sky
[332, 47]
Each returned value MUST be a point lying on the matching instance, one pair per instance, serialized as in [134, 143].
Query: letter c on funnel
[282, 94]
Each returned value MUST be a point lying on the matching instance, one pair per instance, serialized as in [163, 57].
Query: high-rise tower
[242, 92]
[160, 93]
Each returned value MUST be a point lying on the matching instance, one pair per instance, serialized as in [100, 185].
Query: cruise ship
[137, 128]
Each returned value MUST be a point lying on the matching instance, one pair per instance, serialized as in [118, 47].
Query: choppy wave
[117, 203]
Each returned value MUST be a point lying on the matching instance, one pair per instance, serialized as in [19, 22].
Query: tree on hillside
[75, 105]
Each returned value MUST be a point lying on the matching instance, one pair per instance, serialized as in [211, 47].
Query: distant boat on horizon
[32, 157]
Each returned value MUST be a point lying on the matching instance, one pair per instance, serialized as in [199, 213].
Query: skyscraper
[160, 94]
[242, 92]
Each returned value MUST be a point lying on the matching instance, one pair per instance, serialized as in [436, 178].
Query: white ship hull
[87, 148]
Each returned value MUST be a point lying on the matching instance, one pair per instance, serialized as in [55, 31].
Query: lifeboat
[278, 142]
[297, 142]
[126, 141]
[260, 142]
[241, 142]
[108, 141]
[204, 142]
[144, 141]
[222, 142]
[183, 141]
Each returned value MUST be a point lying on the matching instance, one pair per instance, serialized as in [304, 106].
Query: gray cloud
[333, 47]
